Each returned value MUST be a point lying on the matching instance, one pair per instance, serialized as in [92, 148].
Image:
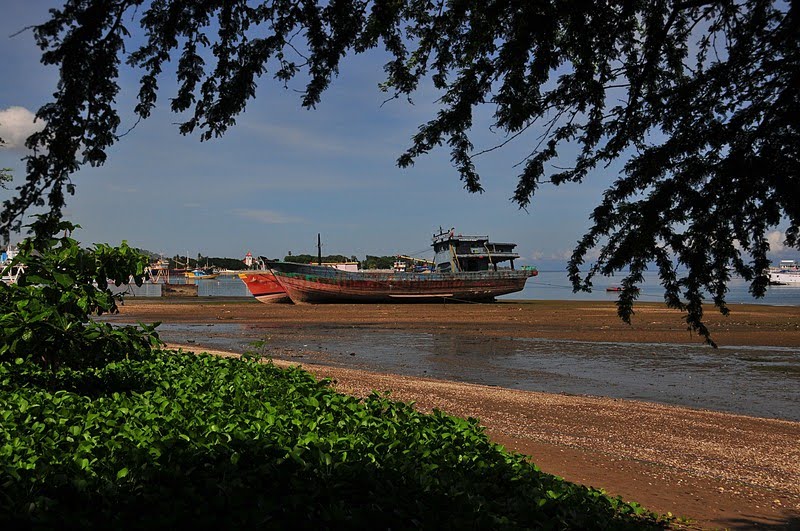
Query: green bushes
[46, 315]
[99, 428]
[205, 441]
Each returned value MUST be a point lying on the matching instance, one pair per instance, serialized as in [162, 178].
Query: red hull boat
[306, 283]
[264, 287]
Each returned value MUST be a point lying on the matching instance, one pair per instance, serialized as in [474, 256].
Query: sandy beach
[719, 470]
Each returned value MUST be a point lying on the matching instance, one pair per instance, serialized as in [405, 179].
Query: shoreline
[720, 470]
[746, 325]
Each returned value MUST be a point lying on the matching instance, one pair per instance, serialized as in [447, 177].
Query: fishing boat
[200, 274]
[264, 287]
[787, 273]
[466, 269]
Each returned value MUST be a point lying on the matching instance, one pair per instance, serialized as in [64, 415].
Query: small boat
[264, 287]
[613, 288]
[466, 269]
[200, 274]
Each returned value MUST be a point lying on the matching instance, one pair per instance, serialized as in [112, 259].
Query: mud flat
[719, 469]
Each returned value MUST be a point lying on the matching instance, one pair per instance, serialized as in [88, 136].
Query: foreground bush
[200, 441]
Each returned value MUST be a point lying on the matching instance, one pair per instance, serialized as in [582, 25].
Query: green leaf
[63, 279]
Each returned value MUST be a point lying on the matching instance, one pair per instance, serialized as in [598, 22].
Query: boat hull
[264, 287]
[785, 278]
[315, 284]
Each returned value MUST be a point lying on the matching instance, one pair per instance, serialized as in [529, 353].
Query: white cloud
[120, 189]
[313, 183]
[268, 217]
[305, 140]
[16, 124]
[563, 254]
[298, 138]
[776, 239]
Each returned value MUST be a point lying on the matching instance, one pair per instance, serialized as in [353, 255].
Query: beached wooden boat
[264, 287]
[308, 283]
[466, 270]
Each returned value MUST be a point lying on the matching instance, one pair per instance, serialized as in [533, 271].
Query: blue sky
[284, 174]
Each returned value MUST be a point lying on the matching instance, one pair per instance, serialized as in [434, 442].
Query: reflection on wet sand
[751, 380]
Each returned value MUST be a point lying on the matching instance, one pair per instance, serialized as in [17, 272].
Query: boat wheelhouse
[458, 253]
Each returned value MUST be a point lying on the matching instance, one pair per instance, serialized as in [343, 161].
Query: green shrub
[47, 315]
[179, 439]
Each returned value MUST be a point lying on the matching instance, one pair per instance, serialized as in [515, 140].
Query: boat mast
[492, 265]
[319, 250]
[454, 264]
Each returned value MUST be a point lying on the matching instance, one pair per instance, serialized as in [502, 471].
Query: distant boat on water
[787, 273]
[200, 274]
[466, 269]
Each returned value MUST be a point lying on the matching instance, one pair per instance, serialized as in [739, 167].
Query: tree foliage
[5, 173]
[46, 316]
[379, 262]
[697, 98]
[5, 177]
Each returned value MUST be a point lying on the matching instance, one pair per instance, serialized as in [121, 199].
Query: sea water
[761, 381]
[554, 285]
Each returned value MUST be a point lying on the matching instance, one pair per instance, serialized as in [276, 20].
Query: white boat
[787, 273]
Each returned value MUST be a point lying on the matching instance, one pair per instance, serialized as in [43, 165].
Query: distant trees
[370, 262]
[233, 264]
[379, 262]
[177, 261]
[697, 98]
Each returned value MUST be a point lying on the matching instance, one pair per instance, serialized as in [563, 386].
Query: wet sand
[720, 470]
